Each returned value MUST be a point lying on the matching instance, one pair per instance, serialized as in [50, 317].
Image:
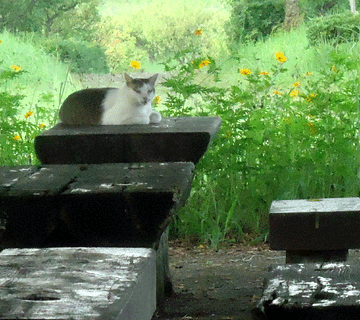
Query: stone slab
[312, 291]
[78, 283]
[172, 140]
[315, 225]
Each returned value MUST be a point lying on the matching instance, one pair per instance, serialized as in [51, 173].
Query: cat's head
[142, 89]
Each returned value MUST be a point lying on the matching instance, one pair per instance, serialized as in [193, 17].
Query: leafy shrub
[168, 28]
[83, 56]
[16, 133]
[337, 28]
[253, 20]
[298, 140]
[169, 24]
[121, 46]
[316, 8]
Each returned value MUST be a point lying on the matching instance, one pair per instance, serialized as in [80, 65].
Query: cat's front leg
[155, 117]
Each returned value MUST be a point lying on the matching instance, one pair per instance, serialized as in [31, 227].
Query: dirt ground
[224, 285]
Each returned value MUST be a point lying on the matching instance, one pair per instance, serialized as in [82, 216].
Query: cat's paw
[155, 117]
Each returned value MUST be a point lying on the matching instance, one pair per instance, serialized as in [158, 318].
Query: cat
[112, 106]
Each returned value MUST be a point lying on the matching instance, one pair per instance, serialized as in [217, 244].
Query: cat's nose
[145, 100]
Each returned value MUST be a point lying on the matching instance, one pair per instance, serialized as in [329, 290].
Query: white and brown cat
[112, 106]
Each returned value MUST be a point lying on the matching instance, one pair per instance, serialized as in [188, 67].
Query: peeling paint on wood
[307, 290]
[77, 283]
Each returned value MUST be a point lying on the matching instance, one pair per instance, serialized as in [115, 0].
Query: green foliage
[31, 89]
[44, 15]
[153, 30]
[315, 8]
[278, 141]
[337, 28]
[121, 45]
[16, 134]
[82, 56]
[253, 20]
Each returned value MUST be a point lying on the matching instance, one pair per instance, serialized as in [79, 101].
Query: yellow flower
[311, 97]
[280, 57]
[16, 68]
[204, 63]
[264, 73]
[312, 127]
[157, 100]
[17, 137]
[198, 32]
[0, 41]
[308, 73]
[296, 84]
[294, 93]
[245, 72]
[287, 120]
[135, 64]
[333, 68]
[42, 126]
[277, 92]
[28, 114]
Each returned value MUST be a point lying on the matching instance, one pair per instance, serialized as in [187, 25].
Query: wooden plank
[78, 283]
[321, 224]
[173, 140]
[312, 291]
[94, 205]
[44, 181]
[11, 175]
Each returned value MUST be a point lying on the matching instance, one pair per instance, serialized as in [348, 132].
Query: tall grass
[290, 130]
[30, 95]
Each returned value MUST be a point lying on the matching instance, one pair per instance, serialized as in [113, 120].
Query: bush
[121, 46]
[83, 56]
[278, 141]
[253, 20]
[316, 8]
[335, 29]
[169, 27]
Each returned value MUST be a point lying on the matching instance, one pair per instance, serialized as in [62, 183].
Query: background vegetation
[289, 101]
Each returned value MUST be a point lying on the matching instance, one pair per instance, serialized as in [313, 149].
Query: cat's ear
[153, 79]
[128, 79]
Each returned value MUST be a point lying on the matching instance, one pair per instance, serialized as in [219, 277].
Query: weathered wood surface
[312, 291]
[77, 283]
[172, 140]
[319, 224]
[91, 205]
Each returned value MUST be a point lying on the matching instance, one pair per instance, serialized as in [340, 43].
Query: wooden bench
[172, 140]
[317, 282]
[105, 186]
[315, 230]
[77, 283]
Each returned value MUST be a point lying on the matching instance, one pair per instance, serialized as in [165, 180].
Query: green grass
[37, 90]
[44, 73]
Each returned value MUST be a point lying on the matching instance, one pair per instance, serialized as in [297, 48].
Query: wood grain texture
[320, 224]
[78, 283]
